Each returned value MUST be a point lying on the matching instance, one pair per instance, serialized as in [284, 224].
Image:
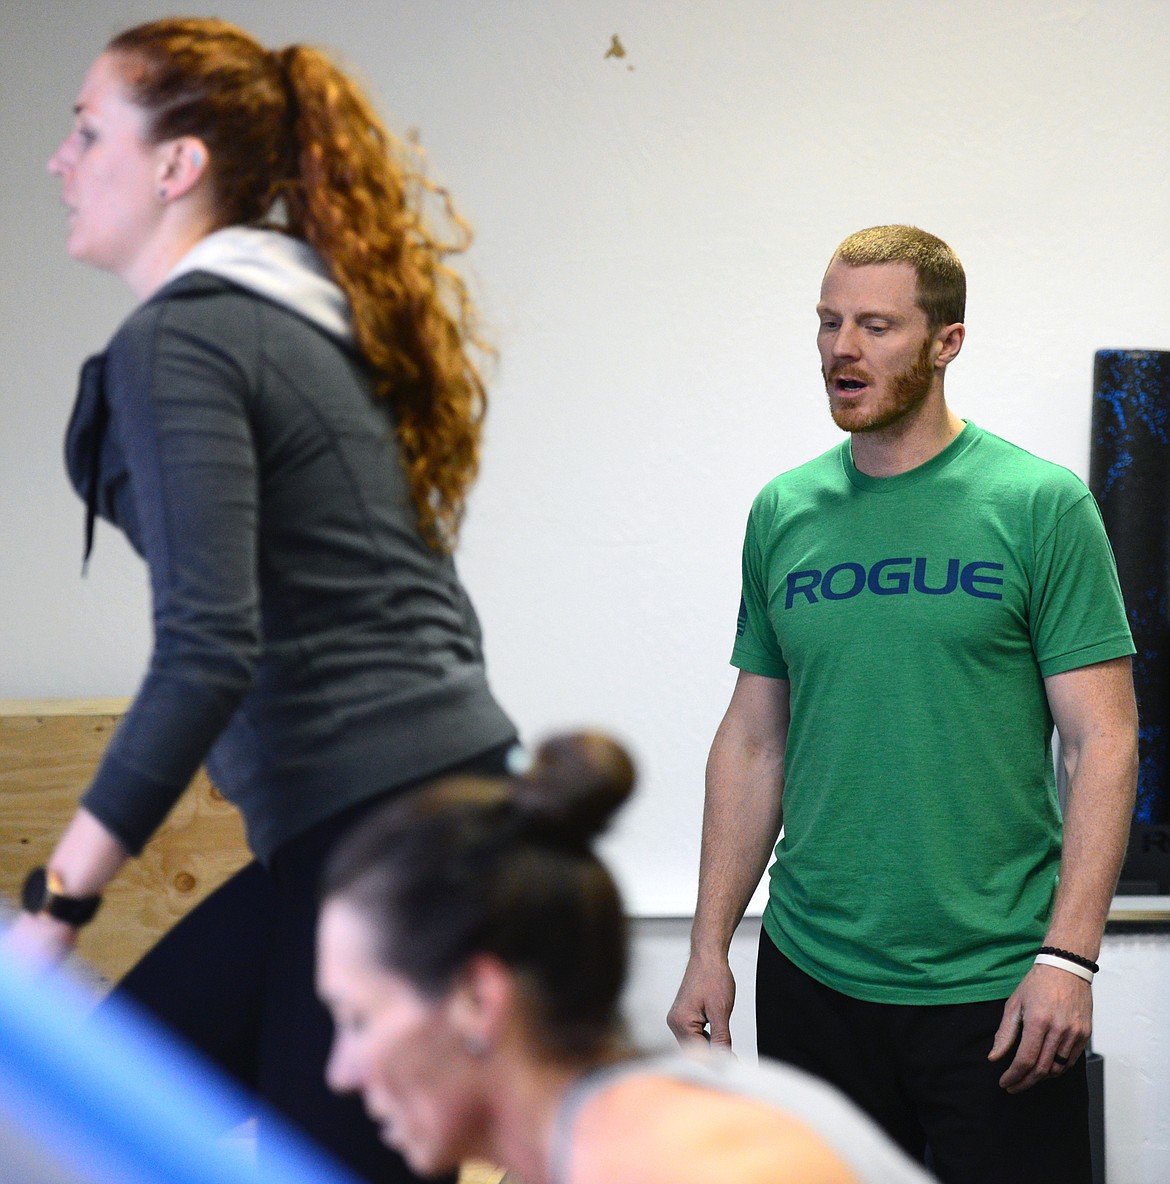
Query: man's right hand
[742, 812]
[702, 1007]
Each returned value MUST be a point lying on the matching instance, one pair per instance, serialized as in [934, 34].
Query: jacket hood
[276, 266]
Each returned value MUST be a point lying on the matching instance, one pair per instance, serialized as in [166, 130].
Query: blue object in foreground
[106, 1098]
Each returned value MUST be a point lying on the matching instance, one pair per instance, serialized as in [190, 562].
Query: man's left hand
[1051, 1015]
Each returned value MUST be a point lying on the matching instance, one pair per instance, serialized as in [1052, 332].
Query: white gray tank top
[868, 1151]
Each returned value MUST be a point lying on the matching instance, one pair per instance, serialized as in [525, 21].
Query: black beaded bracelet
[1068, 956]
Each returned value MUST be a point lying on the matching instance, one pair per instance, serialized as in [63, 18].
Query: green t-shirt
[916, 618]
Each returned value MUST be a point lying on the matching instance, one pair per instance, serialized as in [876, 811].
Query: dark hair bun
[575, 785]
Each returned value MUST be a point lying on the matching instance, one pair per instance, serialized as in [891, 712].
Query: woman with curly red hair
[286, 429]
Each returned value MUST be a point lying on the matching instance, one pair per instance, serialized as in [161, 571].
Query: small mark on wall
[616, 49]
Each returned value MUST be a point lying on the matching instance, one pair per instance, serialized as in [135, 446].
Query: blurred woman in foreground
[472, 950]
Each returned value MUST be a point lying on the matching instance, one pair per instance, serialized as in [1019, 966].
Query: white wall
[652, 232]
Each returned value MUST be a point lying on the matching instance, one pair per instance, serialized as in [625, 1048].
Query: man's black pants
[922, 1073]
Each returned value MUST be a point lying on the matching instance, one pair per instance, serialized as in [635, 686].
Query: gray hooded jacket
[308, 644]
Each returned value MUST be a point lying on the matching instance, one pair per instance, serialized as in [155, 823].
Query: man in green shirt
[920, 606]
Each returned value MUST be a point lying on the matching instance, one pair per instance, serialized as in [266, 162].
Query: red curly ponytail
[290, 133]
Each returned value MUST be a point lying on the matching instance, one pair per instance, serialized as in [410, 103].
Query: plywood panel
[48, 751]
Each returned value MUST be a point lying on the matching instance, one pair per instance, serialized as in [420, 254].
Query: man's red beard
[908, 391]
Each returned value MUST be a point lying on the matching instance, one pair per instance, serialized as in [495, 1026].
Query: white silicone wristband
[1064, 964]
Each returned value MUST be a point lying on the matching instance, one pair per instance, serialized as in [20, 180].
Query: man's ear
[950, 339]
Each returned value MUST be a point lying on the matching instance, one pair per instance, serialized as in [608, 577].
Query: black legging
[235, 979]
